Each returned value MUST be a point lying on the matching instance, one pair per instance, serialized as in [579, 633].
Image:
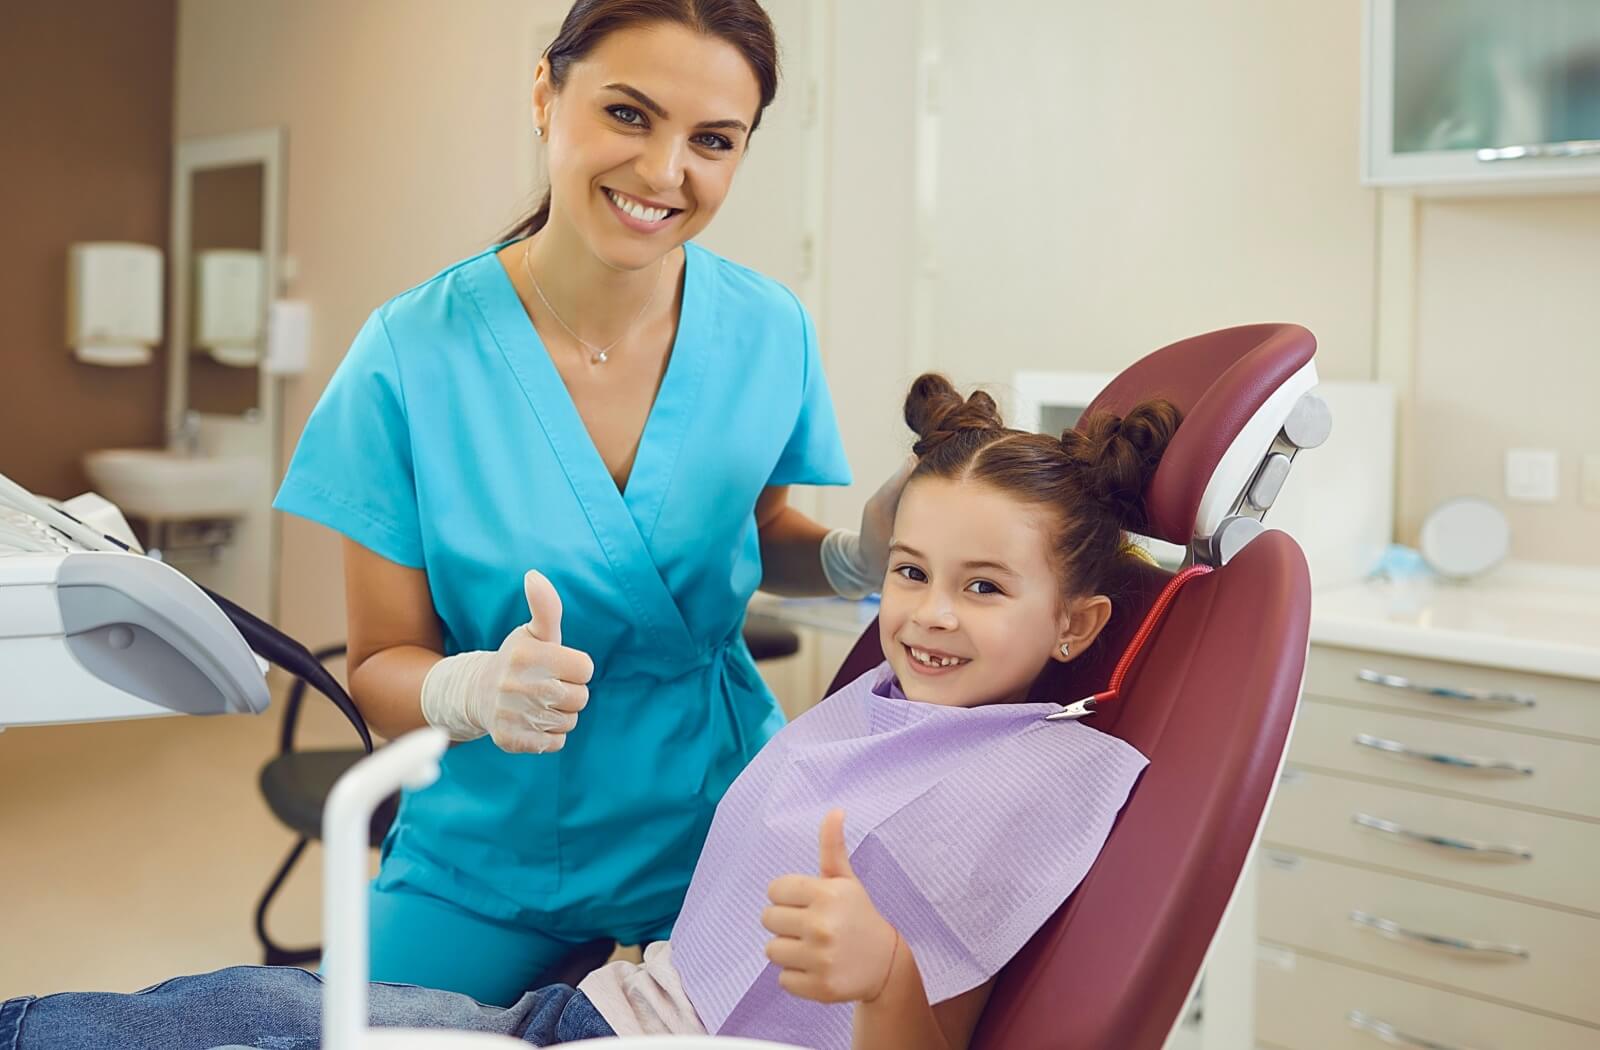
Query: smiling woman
[561, 469]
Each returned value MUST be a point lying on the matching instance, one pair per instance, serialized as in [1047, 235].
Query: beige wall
[1113, 177]
[1106, 178]
[1507, 356]
[867, 258]
[404, 154]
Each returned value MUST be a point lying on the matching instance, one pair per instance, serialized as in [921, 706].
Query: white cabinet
[1433, 890]
[1482, 96]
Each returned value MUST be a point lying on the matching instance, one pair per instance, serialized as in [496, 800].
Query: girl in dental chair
[970, 817]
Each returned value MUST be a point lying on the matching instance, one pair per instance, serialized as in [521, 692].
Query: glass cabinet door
[1483, 90]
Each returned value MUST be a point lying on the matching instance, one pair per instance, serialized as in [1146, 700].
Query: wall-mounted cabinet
[1482, 96]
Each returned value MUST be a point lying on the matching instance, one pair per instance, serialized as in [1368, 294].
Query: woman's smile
[637, 214]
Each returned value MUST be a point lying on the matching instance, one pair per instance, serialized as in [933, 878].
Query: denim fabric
[273, 1008]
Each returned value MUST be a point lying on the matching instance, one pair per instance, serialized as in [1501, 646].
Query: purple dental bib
[968, 827]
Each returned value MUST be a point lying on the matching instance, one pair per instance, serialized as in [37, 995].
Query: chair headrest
[1236, 388]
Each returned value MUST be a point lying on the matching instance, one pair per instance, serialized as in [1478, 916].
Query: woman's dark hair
[1092, 477]
[741, 23]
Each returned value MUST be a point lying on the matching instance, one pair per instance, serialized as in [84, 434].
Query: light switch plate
[1532, 475]
[1589, 482]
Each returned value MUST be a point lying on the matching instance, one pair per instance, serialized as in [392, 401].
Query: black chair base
[275, 953]
[295, 785]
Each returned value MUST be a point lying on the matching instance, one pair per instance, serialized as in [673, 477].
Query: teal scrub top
[446, 441]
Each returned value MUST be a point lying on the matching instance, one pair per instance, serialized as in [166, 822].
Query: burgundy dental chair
[1209, 700]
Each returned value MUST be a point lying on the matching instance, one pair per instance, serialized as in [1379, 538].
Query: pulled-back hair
[740, 23]
[1091, 478]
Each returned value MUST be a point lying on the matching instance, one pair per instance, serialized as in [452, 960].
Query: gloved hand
[526, 696]
[855, 562]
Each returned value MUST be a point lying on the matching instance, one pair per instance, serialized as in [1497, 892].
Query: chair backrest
[1210, 702]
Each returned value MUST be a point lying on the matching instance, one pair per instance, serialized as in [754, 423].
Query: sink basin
[159, 484]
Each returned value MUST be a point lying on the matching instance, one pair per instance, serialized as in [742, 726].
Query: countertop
[1538, 618]
[1526, 616]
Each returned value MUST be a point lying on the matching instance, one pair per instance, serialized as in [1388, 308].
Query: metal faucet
[185, 436]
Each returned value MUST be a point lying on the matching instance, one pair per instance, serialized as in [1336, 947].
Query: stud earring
[1065, 650]
[538, 132]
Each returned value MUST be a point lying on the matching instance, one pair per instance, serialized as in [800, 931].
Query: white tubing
[411, 761]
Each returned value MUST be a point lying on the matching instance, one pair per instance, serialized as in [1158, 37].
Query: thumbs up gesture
[831, 942]
[528, 696]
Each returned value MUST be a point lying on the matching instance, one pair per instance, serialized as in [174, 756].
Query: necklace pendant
[599, 357]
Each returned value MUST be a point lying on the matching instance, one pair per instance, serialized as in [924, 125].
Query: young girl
[882, 858]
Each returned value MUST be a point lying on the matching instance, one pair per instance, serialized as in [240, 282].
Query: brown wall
[86, 104]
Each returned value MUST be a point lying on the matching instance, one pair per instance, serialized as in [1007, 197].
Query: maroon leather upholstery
[1219, 380]
[1209, 702]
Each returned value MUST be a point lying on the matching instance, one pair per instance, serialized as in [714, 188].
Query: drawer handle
[1474, 762]
[1497, 697]
[1473, 846]
[1392, 1035]
[1395, 931]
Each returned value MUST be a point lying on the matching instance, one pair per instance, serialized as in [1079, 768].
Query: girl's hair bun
[936, 412]
[1118, 456]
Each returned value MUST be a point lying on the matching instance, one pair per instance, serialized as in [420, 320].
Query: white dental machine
[91, 629]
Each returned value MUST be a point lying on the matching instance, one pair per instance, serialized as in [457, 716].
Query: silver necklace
[597, 354]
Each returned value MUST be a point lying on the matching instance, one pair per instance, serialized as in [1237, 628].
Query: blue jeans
[273, 1008]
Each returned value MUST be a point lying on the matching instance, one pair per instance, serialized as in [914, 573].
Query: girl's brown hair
[741, 23]
[1093, 478]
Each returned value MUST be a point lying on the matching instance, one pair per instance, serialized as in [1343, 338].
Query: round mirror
[1465, 537]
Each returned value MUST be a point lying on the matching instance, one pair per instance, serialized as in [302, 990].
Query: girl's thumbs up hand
[830, 941]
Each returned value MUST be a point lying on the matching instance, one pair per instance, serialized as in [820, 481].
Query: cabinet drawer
[1313, 811]
[1565, 775]
[1312, 904]
[1560, 705]
[1305, 1004]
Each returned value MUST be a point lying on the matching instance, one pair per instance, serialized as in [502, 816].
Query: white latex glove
[855, 562]
[526, 696]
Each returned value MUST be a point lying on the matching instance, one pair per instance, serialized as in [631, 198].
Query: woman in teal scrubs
[622, 411]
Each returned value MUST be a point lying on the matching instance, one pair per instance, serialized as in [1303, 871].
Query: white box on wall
[114, 302]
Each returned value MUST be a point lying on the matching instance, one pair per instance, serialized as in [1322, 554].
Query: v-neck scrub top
[446, 440]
